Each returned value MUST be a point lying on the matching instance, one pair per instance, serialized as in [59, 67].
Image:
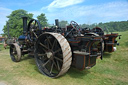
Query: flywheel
[52, 54]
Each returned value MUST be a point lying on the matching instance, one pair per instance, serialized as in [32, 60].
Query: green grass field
[112, 70]
[1, 46]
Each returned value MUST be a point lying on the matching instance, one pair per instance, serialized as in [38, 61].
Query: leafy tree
[16, 23]
[115, 26]
[63, 23]
[111, 26]
[84, 25]
[42, 19]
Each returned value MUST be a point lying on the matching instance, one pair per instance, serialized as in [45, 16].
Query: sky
[81, 11]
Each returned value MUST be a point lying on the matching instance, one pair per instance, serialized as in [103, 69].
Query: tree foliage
[115, 26]
[42, 19]
[63, 23]
[111, 26]
[15, 22]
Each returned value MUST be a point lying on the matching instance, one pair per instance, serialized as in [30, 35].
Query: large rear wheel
[53, 54]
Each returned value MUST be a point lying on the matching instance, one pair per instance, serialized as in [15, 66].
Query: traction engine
[56, 49]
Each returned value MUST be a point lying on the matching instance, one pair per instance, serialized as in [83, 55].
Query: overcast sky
[81, 11]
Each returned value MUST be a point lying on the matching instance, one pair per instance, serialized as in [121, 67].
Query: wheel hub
[49, 54]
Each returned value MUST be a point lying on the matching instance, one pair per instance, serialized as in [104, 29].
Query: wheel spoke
[44, 58]
[58, 65]
[46, 63]
[57, 51]
[42, 54]
[48, 46]
[51, 68]
[58, 59]
[54, 63]
[43, 49]
[44, 46]
[49, 41]
[54, 44]
[35, 35]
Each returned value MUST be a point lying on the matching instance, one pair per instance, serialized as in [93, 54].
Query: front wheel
[15, 52]
[53, 54]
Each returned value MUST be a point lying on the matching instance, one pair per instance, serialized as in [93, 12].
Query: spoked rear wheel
[15, 52]
[53, 54]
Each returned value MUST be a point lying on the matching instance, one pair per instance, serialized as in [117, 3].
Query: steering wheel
[76, 26]
[34, 28]
[98, 31]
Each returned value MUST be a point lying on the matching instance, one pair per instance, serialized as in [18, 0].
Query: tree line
[15, 23]
[111, 26]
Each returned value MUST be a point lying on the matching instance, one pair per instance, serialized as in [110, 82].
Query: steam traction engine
[55, 49]
[109, 40]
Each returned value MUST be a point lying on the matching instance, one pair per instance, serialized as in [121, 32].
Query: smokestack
[57, 22]
[24, 24]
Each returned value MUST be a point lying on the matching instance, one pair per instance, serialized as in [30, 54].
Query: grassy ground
[112, 70]
[1, 46]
